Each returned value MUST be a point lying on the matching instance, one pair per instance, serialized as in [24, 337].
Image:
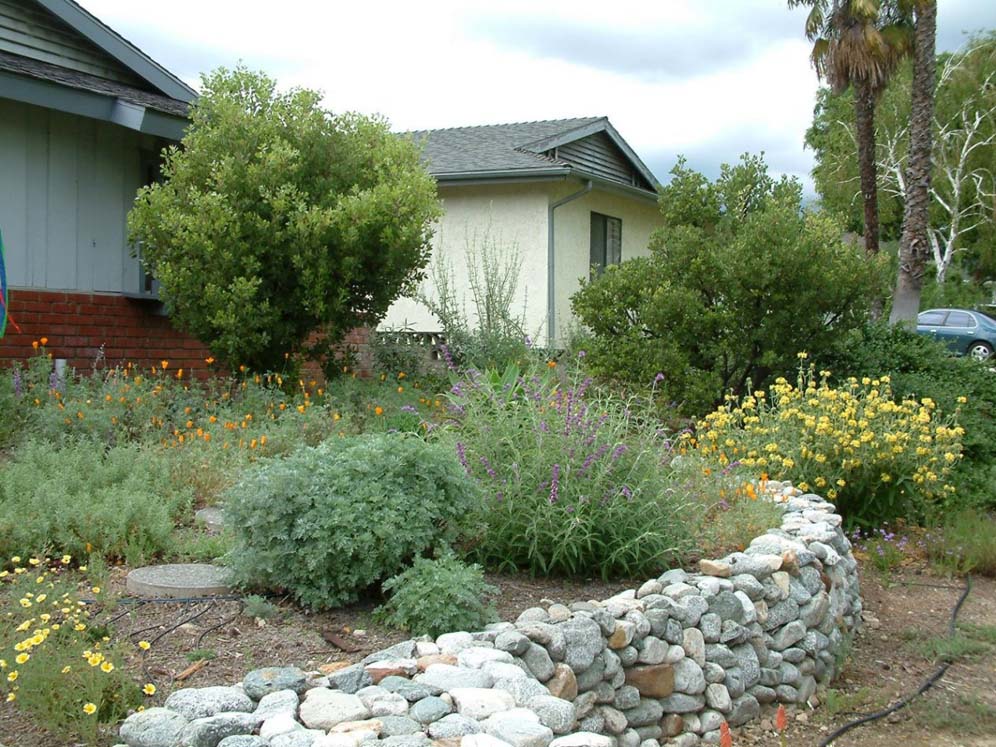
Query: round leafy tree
[739, 279]
[276, 219]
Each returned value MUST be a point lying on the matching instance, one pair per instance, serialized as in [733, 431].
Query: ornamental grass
[574, 482]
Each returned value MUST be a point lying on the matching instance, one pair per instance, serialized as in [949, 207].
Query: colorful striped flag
[4, 296]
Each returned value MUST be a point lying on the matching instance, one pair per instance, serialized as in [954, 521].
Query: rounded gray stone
[207, 732]
[297, 738]
[281, 701]
[351, 679]
[584, 642]
[430, 709]
[646, 713]
[512, 641]
[243, 740]
[178, 580]
[688, 677]
[556, 713]
[261, 682]
[201, 702]
[453, 725]
[405, 740]
[412, 691]
[396, 726]
[154, 727]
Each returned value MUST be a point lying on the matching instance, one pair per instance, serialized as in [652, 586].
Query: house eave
[507, 176]
[519, 176]
[91, 104]
[608, 185]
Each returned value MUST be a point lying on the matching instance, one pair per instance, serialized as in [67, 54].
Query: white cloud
[427, 65]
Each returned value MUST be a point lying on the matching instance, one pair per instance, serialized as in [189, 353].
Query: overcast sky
[709, 79]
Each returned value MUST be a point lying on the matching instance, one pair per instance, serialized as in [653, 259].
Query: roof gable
[587, 147]
[597, 148]
[30, 31]
[55, 55]
[82, 35]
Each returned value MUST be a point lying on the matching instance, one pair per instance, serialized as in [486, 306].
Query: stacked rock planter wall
[665, 664]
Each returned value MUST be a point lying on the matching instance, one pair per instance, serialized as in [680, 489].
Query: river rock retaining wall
[665, 664]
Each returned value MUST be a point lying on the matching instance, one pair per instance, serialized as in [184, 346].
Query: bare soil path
[905, 613]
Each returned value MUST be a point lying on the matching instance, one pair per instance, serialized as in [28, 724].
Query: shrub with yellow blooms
[57, 662]
[879, 459]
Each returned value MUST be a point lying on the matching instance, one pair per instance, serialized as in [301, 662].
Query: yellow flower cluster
[849, 440]
[50, 630]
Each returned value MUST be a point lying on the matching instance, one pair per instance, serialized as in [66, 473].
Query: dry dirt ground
[905, 612]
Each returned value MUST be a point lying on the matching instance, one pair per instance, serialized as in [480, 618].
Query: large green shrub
[436, 596]
[80, 498]
[325, 523]
[739, 280]
[921, 367]
[276, 218]
[574, 483]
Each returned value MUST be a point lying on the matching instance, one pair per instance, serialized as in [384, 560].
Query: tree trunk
[864, 115]
[914, 248]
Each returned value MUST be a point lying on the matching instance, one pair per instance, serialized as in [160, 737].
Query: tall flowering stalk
[575, 482]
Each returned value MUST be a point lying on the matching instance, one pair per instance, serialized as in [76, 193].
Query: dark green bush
[436, 596]
[325, 523]
[739, 279]
[920, 367]
[80, 498]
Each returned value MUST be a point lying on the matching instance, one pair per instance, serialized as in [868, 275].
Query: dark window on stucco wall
[606, 242]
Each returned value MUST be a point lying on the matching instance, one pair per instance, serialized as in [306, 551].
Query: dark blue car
[964, 332]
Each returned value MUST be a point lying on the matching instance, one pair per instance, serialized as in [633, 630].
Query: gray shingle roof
[490, 148]
[64, 76]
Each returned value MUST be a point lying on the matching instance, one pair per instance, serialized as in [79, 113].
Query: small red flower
[780, 718]
[725, 738]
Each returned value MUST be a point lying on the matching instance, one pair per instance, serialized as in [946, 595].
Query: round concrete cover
[179, 580]
[212, 517]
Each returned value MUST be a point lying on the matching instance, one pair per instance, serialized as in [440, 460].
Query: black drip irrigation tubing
[177, 600]
[924, 687]
[189, 618]
[225, 621]
[118, 616]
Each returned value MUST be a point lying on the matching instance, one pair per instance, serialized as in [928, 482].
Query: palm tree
[914, 246]
[855, 44]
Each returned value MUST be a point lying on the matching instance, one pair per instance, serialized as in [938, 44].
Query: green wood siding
[29, 30]
[67, 184]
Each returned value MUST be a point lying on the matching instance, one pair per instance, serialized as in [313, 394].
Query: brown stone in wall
[424, 662]
[563, 684]
[653, 681]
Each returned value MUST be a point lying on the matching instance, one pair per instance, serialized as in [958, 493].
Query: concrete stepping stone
[212, 517]
[179, 580]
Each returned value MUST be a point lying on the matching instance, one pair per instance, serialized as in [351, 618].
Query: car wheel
[981, 351]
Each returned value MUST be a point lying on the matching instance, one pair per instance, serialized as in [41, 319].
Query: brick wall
[78, 324]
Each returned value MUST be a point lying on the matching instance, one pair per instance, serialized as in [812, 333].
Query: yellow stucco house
[566, 197]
